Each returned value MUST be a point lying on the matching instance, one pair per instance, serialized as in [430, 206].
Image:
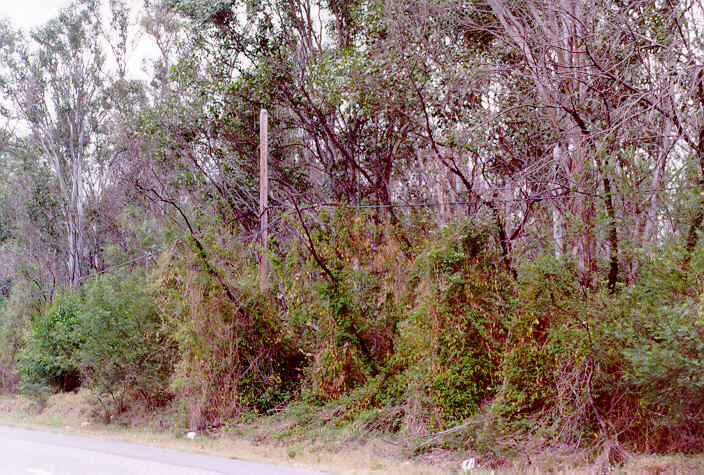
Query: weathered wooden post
[263, 196]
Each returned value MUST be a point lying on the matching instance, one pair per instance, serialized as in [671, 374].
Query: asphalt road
[29, 452]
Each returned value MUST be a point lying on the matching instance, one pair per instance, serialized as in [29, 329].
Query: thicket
[235, 351]
[106, 336]
[407, 330]
[426, 335]
[485, 218]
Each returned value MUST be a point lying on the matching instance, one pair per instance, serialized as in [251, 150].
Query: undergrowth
[426, 337]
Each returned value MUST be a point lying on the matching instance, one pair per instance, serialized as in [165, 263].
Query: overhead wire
[528, 199]
[132, 261]
[306, 207]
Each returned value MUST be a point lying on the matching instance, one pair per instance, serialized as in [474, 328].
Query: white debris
[85, 424]
[469, 465]
[191, 435]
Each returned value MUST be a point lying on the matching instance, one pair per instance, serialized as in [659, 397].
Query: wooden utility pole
[263, 196]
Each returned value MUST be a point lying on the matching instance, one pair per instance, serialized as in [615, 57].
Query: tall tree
[54, 82]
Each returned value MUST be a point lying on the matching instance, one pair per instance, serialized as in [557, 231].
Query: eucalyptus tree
[54, 82]
[338, 126]
[553, 115]
[608, 84]
[33, 205]
[67, 86]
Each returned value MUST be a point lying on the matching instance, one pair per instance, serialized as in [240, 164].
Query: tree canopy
[485, 205]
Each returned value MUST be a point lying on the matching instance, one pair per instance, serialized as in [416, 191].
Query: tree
[604, 81]
[54, 82]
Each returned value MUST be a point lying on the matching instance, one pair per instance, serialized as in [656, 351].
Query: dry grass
[274, 442]
[66, 412]
[664, 465]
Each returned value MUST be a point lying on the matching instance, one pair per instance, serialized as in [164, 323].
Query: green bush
[450, 339]
[345, 322]
[547, 329]
[48, 361]
[13, 321]
[665, 362]
[576, 354]
[106, 336]
[124, 353]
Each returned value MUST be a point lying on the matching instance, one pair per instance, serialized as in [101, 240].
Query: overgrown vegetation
[484, 221]
[107, 337]
[406, 341]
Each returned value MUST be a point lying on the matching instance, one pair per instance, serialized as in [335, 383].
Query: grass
[67, 413]
[301, 439]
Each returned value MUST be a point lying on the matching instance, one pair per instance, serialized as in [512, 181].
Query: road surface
[29, 452]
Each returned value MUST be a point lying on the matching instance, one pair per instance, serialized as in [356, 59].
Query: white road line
[39, 472]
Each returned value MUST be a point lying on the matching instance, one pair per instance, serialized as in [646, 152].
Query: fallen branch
[448, 432]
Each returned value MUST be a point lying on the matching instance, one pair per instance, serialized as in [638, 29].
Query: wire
[136, 259]
[119, 266]
[372, 206]
[482, 201]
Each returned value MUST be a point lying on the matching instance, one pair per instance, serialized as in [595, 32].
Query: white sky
[29, 14]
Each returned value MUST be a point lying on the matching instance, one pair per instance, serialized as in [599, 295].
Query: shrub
[450, 338]
[346, 322]
[606, 370]
[13, 321]
[234, 353]
[124, 354]
[48, 360]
